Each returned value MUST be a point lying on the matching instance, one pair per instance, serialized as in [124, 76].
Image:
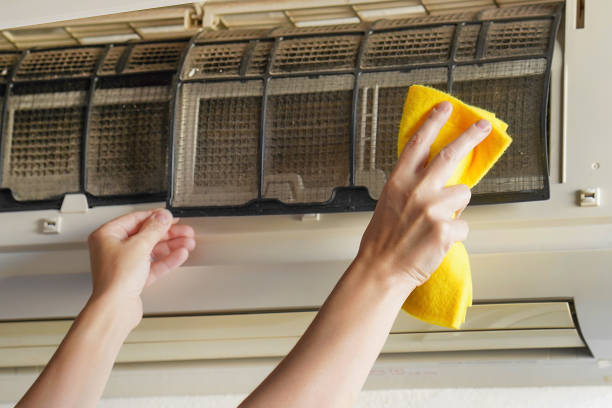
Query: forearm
[77, 373]
[330, 363]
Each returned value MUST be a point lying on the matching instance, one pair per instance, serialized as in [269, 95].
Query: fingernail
[483, 125]
[163, 216]
[443, 107]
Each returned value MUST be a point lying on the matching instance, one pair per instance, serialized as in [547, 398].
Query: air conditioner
[274, 143]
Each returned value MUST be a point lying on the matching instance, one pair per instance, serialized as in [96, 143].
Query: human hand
[133, 251]
[413, 225]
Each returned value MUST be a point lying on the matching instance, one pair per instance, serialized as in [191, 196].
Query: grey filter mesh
[60, 63]
[128, 139]
[513, 90]
[42, 144]
[216, 154]
[326, 53]
[380, 106]
[307, 137]
[409, 47]
[518, 38]
[218, 60]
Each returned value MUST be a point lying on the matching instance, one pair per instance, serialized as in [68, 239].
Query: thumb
[154, 228]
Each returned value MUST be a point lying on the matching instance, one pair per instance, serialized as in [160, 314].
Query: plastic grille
[63, 63]
[128, 139]
[316, 53]
[234, 34]
[513, 90]
[6, 63]
[380, 105]
[217, 150]
[518, 38]
[219, 60]
[340, 28]
[41, 150]
[530, 10]
[409, 47]
[307, 138]
[424, 20]
[259, 59]
[466, 44]
[154, 57]
[109, 65]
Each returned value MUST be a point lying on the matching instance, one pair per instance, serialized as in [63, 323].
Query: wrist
[382, 274]
[119, 313]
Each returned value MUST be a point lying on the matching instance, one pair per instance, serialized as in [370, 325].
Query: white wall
[557, 397]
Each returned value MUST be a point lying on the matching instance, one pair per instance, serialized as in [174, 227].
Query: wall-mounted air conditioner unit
[275, 143]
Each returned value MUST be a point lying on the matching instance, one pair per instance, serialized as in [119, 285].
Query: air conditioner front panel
[488, 327]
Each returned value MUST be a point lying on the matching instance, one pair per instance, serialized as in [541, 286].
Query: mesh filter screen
[217, 149]
[42, 144]
[409, 47]
[513, 90]
[316, 53]
[518, 38]
[380, 105]
[63, 63]
[307, 138]
[219, 60]
[128, 139]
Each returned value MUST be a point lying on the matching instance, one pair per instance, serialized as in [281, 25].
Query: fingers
[441, 168]
[458, 231]
[124, 226]
[165, 265]
[416, 151]
[177, 231]
[153, 229]
[164, 248]
[454, 199]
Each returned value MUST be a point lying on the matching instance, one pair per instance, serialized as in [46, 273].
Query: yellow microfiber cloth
[443, 300]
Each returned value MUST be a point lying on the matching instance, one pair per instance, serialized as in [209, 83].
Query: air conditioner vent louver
[267, 121]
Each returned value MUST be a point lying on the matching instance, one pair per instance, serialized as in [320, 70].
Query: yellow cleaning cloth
[443, 300]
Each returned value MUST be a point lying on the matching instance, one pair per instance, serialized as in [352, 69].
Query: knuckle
[448, 154]
[465, 192]
[93, 237]
[442, 231]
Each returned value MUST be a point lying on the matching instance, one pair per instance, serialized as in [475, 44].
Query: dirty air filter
[304, 120]
[92, 120]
